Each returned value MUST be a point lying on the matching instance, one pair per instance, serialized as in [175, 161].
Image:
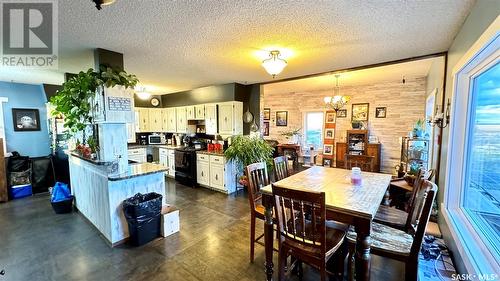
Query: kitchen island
[99, 192]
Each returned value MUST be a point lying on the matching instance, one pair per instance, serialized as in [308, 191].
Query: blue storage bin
[20, 191]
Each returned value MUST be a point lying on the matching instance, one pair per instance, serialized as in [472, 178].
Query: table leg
[363, 256]
[268, 240]
[387, 195]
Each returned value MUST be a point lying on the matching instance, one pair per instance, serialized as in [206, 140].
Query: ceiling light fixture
[337, 101]
[274, 65]
[142, 94]
[100, 3]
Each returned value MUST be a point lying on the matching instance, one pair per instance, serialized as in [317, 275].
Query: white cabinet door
[199, 112]
[131, 132]
[181, 119]
[164, 120]
[155, 120]
[226, 118]
[203, 172]
[171, 120]
[211, 119]
[217, 176]
[171, 165]
[190, 112]
[143, 119]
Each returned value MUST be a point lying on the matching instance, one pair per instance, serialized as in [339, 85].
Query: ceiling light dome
[274, 65]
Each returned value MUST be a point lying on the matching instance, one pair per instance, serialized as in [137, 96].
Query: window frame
[477, 258]
[304, 139]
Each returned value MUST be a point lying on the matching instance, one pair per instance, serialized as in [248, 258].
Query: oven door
[183, 162]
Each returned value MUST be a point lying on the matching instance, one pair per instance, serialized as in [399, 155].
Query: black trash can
[143, 217]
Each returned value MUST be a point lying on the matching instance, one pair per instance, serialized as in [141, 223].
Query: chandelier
[337, 101]
[274, 65]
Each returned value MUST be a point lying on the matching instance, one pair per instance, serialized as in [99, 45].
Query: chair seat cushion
[386, 239]
[391, 216]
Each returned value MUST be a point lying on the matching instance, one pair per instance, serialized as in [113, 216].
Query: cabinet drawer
[217, 159]
[163, 151]
[171, 152]
[202, 157]
[136, 151]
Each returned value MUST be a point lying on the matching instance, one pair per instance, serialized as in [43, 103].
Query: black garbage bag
[142, 212]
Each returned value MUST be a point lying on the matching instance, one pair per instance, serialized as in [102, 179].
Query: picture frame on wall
[328, 149]
[360, 111]
[26, 119]
[380, 112]
[330, 117]
[329, 134]
[282, 118]
[267, 114]
[327, 162]
[342, 113]
[265, 129]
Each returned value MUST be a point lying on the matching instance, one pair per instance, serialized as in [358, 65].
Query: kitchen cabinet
[181, 117]
[164, 119]
[199, 112]
[171, 125]
[138, 154]
[143, 119]
[203, 173]
[130, 132]
[217, 176]
[167, 159]
[215, 172]
[155, 120]
[211, 119]
[190, 112]
[374, 149]
[171, 163]
[230, 118]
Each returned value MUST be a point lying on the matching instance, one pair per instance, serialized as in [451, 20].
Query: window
[313, 129]
[472, 189]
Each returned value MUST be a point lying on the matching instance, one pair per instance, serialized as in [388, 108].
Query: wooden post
[3, 176]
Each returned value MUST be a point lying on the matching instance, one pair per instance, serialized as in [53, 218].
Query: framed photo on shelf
[328, 149]
[380, 112]
[267, 114]
[26, 119]
[330, 117]
[342, 113]
[327, 162]
[282, 118]
[360, 111]
[329, 134]
[265, 129]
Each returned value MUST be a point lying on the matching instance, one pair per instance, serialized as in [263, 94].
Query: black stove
[185, 164]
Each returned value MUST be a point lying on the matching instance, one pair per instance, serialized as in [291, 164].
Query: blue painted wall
[34, 143]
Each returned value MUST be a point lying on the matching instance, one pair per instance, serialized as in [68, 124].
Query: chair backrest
[257, 178]
[280, 168]
[301, 217]
[417, 189]
[424, 199]
[364, 162]
[429, 174]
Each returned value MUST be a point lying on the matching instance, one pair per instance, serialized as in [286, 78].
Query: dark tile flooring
[213, 244]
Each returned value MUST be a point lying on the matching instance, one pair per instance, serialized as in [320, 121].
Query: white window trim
[473, 251]
[304, 129]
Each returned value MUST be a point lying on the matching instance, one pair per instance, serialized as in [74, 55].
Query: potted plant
[293, 136]
[245, 150]
[418, 129]
[94, 147]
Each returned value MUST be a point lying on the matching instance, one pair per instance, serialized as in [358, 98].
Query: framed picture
[327, 162]
[330, 117]
[328, 149]
[267, 114]
[329, 134]
[360, 111]
[342, 113]
[26, 119]
[380, 112]
[265, 129]
[282, 118]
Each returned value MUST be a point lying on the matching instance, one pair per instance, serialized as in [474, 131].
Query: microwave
[156, 139]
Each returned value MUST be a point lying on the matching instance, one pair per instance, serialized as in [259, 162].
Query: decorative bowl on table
[410, 179]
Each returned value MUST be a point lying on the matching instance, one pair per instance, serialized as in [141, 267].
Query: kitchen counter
[139, 169]
[167, 146]
[95, 162]
[210, 153]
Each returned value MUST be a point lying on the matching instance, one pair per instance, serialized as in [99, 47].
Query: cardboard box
[170, 223]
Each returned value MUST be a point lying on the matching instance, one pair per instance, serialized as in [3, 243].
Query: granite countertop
[210, 153]
[95, 162]
[139, 169]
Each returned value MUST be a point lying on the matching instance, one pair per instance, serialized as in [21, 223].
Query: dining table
[355, 205]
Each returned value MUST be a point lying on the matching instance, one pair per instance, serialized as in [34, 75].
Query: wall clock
[155, 102]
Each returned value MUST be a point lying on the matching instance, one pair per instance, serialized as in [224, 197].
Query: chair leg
[252, 238]
[411, 270]
[322, 272]
[350, 261]
[282, 263]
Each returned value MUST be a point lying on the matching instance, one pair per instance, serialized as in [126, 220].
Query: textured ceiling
[388, 73]
[179, 45]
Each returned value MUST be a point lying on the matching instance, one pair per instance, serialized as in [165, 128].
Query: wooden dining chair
[364, 162]
[401, 219]
[397, 244]
[257, 178]
[281, 168]
[303, 230]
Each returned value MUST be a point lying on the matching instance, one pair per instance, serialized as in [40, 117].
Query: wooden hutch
[357, 144]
